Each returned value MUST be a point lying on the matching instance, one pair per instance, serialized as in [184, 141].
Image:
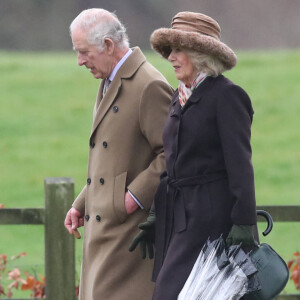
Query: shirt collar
[119, 64]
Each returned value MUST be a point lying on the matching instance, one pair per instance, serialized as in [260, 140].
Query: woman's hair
[206, 63]
[100, 24]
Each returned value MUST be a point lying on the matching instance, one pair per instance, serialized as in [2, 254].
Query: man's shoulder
[136, 66]
[149, 73]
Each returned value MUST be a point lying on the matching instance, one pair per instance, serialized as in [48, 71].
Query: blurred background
[255, 24]
[46, 103]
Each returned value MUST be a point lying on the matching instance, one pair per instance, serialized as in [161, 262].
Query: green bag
[273, 273]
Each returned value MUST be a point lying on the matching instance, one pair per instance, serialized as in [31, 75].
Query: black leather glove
[240, 234]
[145, 237]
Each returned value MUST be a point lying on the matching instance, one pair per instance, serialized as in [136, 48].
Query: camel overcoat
[209, 183]
[126, 152]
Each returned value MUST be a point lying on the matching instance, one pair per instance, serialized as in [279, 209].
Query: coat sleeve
[153, 111]
[79, 202]
[234, 118]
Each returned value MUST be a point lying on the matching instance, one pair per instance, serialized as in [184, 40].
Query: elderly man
[125, 158]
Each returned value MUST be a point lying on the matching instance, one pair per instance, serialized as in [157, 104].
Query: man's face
[99, 63]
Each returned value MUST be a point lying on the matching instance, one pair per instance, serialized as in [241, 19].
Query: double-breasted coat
[209, 183]
[126, 152]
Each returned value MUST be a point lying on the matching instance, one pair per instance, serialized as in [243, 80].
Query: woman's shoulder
[224, 84]
[222, 89]
[229, 93]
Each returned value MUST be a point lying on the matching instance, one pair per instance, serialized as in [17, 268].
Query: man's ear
[110, 46]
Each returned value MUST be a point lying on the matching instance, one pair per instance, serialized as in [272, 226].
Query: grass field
[46, 103]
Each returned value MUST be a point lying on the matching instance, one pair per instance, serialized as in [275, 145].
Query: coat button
[101, 180]
[92, 144]
[88, 181]
[115, 109]
[87, 217]
[104, 144]
[98, 218]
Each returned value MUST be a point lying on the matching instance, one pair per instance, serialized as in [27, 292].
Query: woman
[208, 187]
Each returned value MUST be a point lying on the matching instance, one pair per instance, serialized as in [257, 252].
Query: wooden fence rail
[60, 246]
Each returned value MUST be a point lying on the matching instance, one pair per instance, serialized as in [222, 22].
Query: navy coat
[209, 181]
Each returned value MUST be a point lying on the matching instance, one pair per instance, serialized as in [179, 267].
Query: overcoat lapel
[103, 104]
[127, 70]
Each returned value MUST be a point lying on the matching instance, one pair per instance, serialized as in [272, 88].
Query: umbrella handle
[269, 219]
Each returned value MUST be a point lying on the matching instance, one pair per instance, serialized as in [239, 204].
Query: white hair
[206, 63]
[100, 24]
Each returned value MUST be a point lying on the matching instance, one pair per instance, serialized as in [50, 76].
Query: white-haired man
[125, 158]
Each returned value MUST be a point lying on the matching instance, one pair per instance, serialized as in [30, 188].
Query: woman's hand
[146, 237]
[240, 234]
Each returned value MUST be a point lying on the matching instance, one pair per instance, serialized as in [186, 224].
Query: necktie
[106, 86]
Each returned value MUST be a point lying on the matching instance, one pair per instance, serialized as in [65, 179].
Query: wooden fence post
[59, 244]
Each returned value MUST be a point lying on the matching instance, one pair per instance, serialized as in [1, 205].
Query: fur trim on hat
[163, 39]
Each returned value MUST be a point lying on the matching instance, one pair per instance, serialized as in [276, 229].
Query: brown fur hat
[193, 31]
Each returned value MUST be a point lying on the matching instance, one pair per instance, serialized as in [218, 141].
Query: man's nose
[80, 59]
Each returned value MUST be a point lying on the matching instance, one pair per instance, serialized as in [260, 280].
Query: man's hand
[73, 220]
[130, 205]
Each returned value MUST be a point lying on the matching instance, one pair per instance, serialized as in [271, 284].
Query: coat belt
[170, 209]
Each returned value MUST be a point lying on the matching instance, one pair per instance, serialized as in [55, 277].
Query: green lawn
[46, 103]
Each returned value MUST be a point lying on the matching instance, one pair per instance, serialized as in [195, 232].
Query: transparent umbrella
[224, 273]
[220, 273]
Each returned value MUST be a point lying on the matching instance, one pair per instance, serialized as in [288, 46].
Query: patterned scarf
[185, 92]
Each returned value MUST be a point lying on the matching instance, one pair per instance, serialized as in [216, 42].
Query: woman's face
[184, 69]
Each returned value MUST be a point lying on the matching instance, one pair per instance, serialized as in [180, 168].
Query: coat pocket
[119, 194]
